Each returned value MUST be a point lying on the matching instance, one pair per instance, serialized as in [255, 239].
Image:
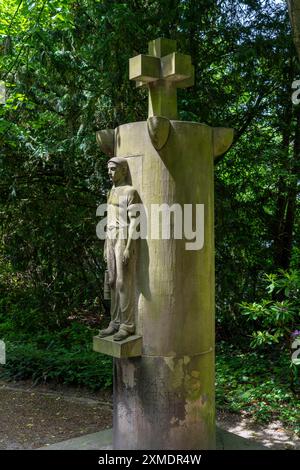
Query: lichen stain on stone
[192, 386]
[129, 377]
[181, 377]
[194, 410]
[186, 360]
[174, 421]
[178, 374]
[195, 373]
[169, 362]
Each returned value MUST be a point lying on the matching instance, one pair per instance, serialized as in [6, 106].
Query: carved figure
[119, 250]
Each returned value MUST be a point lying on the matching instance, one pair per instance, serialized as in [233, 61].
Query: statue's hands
[126, 255]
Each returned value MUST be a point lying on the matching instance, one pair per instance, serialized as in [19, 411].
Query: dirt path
[32, 417]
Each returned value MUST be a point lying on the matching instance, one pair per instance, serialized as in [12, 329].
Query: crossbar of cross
[163, 70]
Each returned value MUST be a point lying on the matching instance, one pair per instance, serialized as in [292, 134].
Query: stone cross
[163, 71]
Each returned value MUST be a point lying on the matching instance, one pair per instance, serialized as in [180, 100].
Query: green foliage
[82, 368]
[275, 320]
[256, 384]
[64, 356]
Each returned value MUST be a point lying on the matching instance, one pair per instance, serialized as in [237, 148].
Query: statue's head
[117, 170]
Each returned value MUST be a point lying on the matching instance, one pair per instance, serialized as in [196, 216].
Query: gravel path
[32, 417]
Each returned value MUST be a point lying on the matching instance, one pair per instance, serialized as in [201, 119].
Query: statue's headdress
[119, 161]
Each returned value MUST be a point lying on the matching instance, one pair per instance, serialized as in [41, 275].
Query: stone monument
[164, 374]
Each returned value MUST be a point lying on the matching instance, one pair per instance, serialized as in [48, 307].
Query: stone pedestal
[129, 347]
[164, 403]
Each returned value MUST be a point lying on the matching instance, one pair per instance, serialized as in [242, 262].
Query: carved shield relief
[159, 129]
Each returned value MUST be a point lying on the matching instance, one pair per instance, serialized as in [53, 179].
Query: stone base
[164, 403]
[129, 347]
[102, 440]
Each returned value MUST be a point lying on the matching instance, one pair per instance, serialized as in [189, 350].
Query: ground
[271, 435]
[32, 417]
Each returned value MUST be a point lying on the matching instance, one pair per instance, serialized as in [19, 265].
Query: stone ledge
[102, 440]
[129, 347]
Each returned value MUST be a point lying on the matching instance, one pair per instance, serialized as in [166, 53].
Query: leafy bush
[274, 320]
[64, 356]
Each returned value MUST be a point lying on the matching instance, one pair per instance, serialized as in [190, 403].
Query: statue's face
[116, 173]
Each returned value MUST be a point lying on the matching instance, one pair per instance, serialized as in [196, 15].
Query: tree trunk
[294, 12]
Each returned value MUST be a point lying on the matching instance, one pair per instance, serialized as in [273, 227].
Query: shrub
[64, 356]
[275, 318]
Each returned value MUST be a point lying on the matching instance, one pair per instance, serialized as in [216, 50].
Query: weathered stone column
[165, 398]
